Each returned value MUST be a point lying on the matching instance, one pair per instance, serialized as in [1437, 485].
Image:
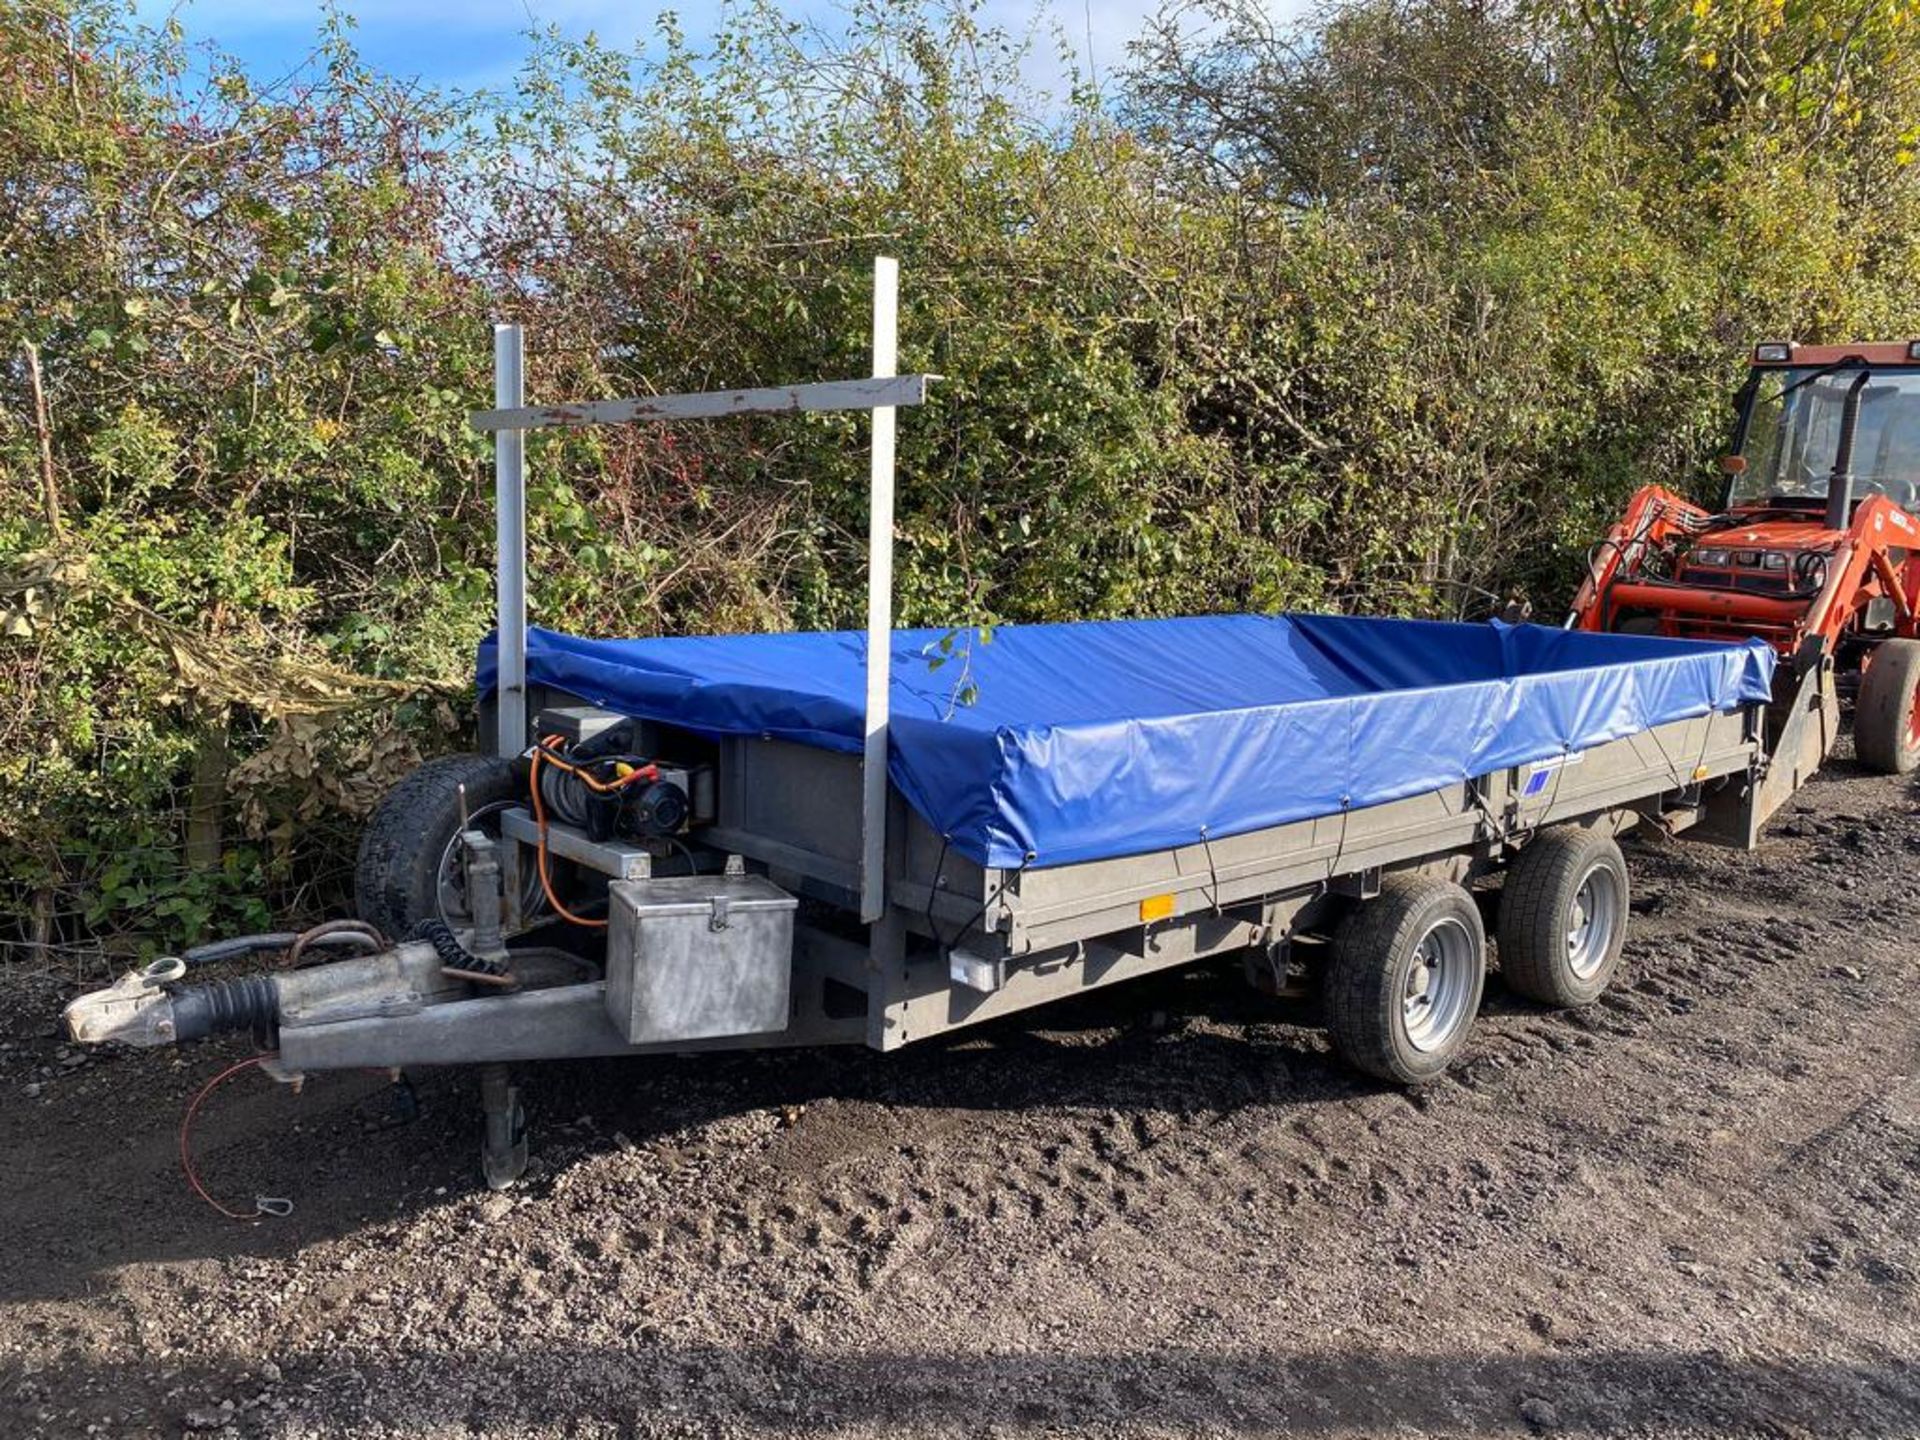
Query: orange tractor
[1815, 549]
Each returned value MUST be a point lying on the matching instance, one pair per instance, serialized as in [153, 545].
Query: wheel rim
[450, 881]
[1913, 719]
[1593, 922]
[1439, 986]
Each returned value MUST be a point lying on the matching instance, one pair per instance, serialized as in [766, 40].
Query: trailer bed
[1050, 745]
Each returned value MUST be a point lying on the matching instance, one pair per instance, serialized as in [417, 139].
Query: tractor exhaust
[1840, 484]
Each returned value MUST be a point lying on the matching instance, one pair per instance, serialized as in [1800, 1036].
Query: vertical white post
[510, 543]
[873, 801]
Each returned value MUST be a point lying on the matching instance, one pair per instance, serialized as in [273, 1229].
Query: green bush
[1391, 314]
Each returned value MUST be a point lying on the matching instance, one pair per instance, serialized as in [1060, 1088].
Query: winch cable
[639, 769]
[263, 1205]
[541, 752]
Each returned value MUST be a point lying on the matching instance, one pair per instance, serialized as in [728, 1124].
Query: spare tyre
[408, 868]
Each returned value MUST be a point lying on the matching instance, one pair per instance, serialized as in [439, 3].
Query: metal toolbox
[695, 957]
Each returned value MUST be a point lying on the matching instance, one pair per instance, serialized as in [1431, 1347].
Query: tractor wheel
[408, 868]
[1563, 917]
[1405, 977]
[1886, 719]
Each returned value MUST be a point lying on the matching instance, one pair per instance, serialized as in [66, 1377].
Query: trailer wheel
[1405, 977]
[407, 869]
[1563, 917]
[1886, 719]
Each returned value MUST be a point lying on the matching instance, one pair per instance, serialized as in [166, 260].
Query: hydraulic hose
[239, 945]
[335, 932]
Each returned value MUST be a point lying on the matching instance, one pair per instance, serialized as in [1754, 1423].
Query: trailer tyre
[405, 872]
[1886, 720]
[1404, 979]
[1563, 917]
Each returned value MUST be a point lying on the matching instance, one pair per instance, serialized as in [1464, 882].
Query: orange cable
[540, 821]
[604, 787]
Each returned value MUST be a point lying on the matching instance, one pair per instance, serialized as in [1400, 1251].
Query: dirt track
[1692, 1210]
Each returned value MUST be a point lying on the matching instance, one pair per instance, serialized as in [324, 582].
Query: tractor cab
[1793, 417]
[1815, 547]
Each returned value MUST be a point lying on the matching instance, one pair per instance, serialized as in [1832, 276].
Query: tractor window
[1795, 430]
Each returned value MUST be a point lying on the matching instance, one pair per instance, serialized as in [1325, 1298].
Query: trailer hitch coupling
[152, 1007]
[136, 1009]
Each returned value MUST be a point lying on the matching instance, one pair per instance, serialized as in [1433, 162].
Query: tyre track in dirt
[1693, 1209]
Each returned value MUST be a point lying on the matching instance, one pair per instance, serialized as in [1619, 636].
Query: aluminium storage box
[696, 957]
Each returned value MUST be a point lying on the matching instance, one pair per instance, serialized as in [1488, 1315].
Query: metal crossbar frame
[879, 392]
[511, 418]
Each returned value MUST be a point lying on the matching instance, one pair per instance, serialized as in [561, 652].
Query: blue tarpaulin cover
[1107, 738]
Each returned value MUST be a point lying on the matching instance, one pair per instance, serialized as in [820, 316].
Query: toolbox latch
[717, 920]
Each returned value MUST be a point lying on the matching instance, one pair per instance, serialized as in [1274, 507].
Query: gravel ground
[1691, 1210]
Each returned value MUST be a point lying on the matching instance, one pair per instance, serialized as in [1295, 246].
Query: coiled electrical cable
[453, 955]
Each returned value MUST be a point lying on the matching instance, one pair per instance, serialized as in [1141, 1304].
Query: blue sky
[477, 43]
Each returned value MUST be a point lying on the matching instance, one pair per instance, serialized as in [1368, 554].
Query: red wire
[186, 1129]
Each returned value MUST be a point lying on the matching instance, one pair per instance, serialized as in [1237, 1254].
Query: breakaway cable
[263, 1205]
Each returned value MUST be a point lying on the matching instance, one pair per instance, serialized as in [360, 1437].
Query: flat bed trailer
[738, 924]
[965, 943]
[881, 838]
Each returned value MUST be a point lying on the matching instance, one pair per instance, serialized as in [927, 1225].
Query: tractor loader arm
[1654, 515]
